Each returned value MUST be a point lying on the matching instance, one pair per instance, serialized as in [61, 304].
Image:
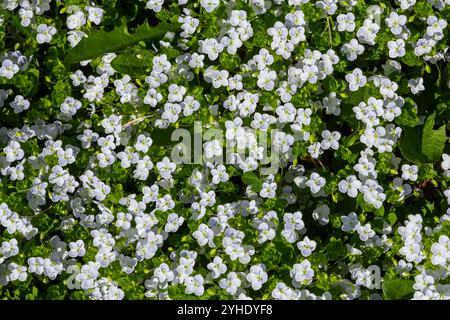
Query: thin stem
[440, 75]
[329, 31]
[132, 122]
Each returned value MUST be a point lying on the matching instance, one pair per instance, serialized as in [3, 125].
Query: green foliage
[423, 144]
[433, 141]
[251, 179]
[292, 229]
[398, 289]
[134, 62]
[100, 42]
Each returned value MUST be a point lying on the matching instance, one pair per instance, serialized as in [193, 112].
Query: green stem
[438, 82]
[329, 31]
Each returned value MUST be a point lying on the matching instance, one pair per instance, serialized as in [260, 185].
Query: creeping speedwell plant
[224, 149]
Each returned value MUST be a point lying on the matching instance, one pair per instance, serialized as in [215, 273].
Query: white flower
[350, 186]
[70, 106]
[441, 251]
[356, 79]
[163, 273]
[435, 26]
[19, 104]
[388, 88]
[315, 150]
[209, 5]
[302, 273]
[212, 149]
[217, 267]
[76, 20]
[315, 182]
[77, 249]
[8, 69]
[219, 174]
[95, 14]
[194, 285]
[409, 172]
[445, 161]
[407, 4]
[155, 5]
[329, 6]
[322, 214]
[330, 140]
[143, 142]
[45, 33]
[346, 22]
[25, 15]
[171, 112]
[161, 64]
[365, 232]
[306, 246]
[13, 151]
[265, 232]
[266, 79]
[196, 60]
[17, 272]
[268, 190]
[416, 85]
[257, 276]
[176, 93]
[422, 282]
[211, 47]
[424, 46]
[74, 37]
[166, 167]
[203, 235]
[350, 222]
[352, 49]
[396, 22]
[174, 221]
[231, 283]
[396, 48]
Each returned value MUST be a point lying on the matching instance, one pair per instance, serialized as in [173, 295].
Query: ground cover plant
[247, 149]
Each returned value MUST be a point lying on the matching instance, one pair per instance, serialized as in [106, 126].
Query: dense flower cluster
[348, 94]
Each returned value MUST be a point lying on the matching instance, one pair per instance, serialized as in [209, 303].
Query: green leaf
[229, 61]
[433, 141]
[28, 83]
[336, 249]
[133, 63]
[410, 143]
[392, 218]
[423, 144]
[33, 295]
[78, 295]
[411, 60]
[163, 15]
[276, 204]
[117, 193]
[56, 292]
[271, 256]
[252, 179]
[162, 137]
[423, 9]
[361, 95]
[398, 289]
[169, 52]
[351, 139]
[100, 42]
[408, 117]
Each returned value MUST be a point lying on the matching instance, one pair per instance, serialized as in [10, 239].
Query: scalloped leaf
[433, 141]
[100, 42]
[398, 289]
[252, 180]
